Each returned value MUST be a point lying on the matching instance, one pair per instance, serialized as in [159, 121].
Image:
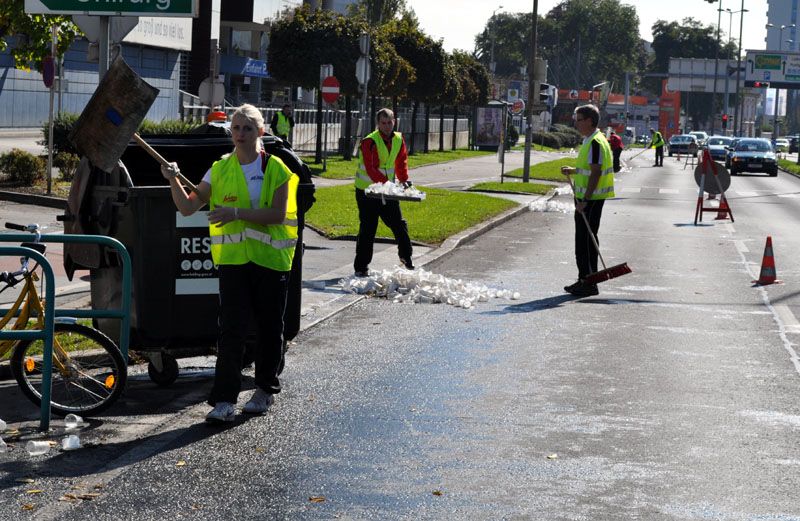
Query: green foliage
[168, 126]
[511, 35]
[424, 54]
[22, 167]
[548, 171]
[472, 78]
[512, 135]
[548, 139]
[67, 164]
[31, 34]
[62, 126]
[569, 136]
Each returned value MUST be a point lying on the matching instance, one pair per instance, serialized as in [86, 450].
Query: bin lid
[217, 115]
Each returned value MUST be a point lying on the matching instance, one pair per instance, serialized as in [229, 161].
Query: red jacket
[369, 151]
[615, 141]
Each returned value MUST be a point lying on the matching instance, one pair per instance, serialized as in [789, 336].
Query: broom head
[608, 273]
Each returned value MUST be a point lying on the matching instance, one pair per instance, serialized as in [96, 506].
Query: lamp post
[730, 39]
[739, 103]
[775, 132]
[491, 52]
[716, 71]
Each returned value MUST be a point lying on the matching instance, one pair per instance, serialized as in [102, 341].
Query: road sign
[211, 92]
[330, 89]
[518, 107]
[573, 94]
[119, 27]
[48, 71]
[182, 8]
[362, 70]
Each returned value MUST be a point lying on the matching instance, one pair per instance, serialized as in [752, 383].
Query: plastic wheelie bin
[175, 285]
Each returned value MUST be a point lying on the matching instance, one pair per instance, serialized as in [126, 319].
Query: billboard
[781, 69]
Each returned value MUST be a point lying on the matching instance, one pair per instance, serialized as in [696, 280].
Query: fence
[333, 136]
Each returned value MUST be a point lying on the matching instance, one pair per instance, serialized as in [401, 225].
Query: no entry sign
[330, 89]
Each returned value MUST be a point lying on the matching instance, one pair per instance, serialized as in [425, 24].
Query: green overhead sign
[181, 8]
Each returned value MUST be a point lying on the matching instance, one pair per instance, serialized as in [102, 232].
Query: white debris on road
[552, 206]
[423, 287]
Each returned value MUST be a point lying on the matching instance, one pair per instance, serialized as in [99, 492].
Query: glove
[407, 185]
[171, 171]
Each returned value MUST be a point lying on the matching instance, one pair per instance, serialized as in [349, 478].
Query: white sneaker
[222, 412]
[259, 403]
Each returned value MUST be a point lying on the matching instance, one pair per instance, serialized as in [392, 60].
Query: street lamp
[730, 39]
[716, 72]
[491, 54]
[739, 103]
[775, 132]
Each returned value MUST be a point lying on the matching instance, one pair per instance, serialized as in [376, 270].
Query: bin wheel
[168, 373]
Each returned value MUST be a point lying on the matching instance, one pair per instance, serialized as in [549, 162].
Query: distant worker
[282, 123]
[594, 183]
[616, 149]
[657, 141]
[382, 157]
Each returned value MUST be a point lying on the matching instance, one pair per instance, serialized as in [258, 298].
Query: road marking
[741, 246]
[787, 317]
[729, 228]
[746, 194]
[632, 189]
[668, 191]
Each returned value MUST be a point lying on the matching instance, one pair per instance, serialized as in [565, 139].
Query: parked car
[781, 145]
[682, 144]
[701, 137]
[754, 155]
[718, 147]
[643, 139]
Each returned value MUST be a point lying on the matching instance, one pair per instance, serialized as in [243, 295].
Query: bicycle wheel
[92, 376]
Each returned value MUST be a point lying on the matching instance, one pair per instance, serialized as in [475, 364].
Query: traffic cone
[768, 274]
[722, 211]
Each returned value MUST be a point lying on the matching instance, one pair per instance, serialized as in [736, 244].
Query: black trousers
[660, 156]
[249, 292]
[368, 212]
[585, 252]
[616, 152]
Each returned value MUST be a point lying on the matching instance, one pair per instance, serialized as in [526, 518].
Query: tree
[30, 34]
[508, 35]
[378, 11]
[472, 78]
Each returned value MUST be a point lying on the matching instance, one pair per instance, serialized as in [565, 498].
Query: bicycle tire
[92, 381]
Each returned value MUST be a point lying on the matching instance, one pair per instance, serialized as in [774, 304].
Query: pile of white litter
[390, 188]
[552, 206]
[423, 287]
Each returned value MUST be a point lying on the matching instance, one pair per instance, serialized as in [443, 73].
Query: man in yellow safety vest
[282, 123]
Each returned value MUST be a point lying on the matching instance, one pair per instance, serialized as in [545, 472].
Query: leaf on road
[25, 480]
[260, 449]
[34, 491]
[28, 506]
[552, 456]
[68, 497]
[317, 499]
[88, 496]
[437, 493]
[180, 463]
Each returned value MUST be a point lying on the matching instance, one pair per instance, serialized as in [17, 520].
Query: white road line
[729, 228]
[787, 317]
[632, 189]
[668, 191]
[746, 194]
[741, 247]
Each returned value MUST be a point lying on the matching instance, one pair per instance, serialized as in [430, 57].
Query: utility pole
[533, 94]
[716, 72]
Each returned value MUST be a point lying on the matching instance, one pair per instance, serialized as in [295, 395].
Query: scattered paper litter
[390, 188]
[552, 206]
[423, 287]
[564, 190]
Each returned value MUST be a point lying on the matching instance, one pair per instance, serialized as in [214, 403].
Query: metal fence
[304, 135]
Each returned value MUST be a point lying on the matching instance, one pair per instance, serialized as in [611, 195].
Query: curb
[38, 200]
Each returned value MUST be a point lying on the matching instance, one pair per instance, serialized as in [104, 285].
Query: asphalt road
[671, 395]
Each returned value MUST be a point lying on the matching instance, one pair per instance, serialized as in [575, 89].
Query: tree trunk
[441, 128]
[427, 126]
[348, 129]
[414, 109]
[455, 125]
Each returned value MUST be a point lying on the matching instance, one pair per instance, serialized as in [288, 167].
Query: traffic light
[548, 94]
[761, 84]
[724, 122]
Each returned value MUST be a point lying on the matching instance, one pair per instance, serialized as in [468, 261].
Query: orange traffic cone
[723, 210]
[768, 274]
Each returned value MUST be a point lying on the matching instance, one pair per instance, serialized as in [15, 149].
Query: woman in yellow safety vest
[253, 227]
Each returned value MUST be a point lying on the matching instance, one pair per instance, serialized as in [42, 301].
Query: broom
[606, 273]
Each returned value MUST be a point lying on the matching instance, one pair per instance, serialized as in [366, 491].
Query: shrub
[170, 126]
[67, 164]
[548, 139]
[62, 125]
[512, 136]
[22, 167]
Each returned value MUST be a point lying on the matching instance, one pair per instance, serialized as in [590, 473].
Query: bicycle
[84, 381]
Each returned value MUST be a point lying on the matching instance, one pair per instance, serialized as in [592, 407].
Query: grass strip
[789, 166]
[549, 170]
[442, 214]
[523, 188]
[338, 168]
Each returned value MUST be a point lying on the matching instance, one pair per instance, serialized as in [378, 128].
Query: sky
[458, 21]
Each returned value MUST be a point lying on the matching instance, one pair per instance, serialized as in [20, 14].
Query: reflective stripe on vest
[386, 159]
[605, 184]
[283, 127]
[239, 242]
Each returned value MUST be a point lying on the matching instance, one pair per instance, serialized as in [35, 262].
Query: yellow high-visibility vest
[605, 185]
[385, 157]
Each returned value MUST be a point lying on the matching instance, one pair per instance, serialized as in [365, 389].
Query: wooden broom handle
[158, 157]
